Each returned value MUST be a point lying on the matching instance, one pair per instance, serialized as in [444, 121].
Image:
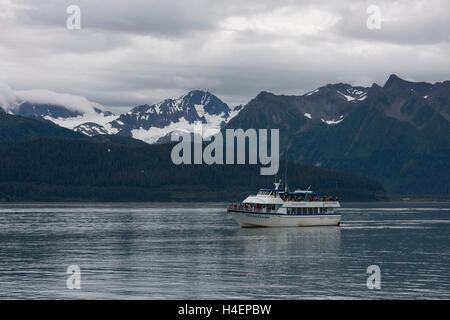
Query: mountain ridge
[398, 134]
[148, 122]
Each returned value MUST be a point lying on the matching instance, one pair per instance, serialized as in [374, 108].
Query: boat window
[310, 210]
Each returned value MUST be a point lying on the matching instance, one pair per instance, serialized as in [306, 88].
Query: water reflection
[292, 240]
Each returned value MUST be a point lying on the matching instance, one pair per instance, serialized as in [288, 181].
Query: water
[197, 251]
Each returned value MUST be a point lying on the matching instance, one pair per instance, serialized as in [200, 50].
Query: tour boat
[282, 208]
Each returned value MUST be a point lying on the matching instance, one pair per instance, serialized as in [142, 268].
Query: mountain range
[398, 133]
[152, 123]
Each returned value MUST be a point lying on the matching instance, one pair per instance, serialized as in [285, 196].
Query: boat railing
[310, 199]
[250, 208]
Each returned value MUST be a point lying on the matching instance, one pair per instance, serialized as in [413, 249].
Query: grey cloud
[134, 52]
[166, 18]
[402, 22]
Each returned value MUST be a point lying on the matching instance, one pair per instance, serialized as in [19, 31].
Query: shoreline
[394, 201]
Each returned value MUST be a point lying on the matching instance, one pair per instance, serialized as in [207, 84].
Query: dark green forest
[103, 169]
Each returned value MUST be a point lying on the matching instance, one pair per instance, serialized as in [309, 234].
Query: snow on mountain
[344, 90]
[331, 122]
[312, 92]
[91, 129]
[150, 123]
[331, 103]
[352, 94]
[88, 123]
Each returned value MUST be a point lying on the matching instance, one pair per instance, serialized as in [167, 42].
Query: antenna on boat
[285, 178]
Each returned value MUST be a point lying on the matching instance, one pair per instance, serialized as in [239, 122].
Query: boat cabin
[297, 195]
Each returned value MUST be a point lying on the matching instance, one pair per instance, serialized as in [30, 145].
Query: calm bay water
[197, 251]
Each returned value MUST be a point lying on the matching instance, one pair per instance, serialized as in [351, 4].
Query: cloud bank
[10, 99]
[134, 52]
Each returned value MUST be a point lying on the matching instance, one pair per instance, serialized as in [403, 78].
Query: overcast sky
[132, 52]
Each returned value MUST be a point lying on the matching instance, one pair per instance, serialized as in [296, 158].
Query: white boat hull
[252, 219]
